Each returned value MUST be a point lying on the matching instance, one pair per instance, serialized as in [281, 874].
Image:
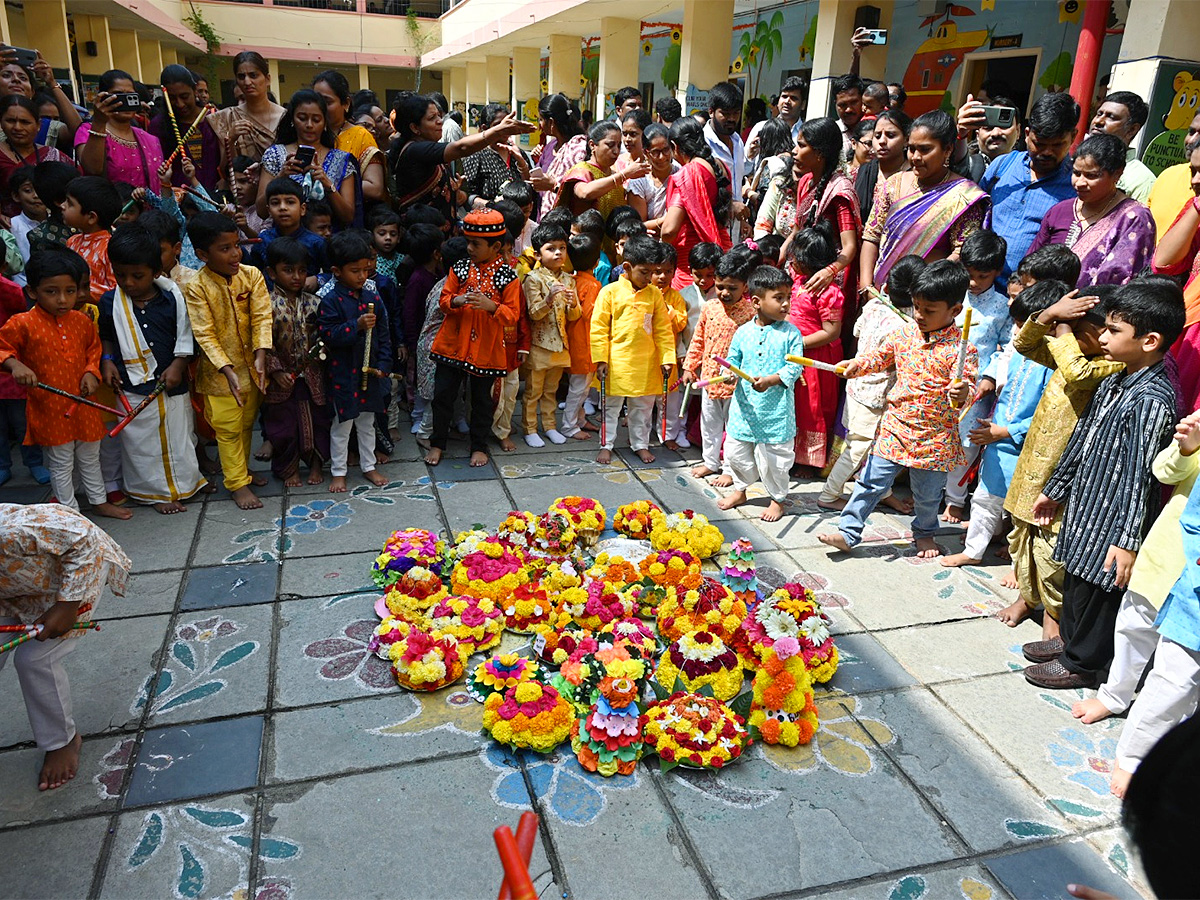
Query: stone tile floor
[237, 733]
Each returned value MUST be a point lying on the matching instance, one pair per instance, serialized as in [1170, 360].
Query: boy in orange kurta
[481, 298]
[58, 346]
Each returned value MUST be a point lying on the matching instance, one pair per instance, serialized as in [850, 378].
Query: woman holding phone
[111, 145]
[25, 77]
[19, 122]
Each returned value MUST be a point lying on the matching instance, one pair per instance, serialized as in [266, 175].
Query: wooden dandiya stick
[78, 400]
[366, 363]
[150, 398]
[171, 159]
[683, 402]
[962, 352]
[604, 410]
[817, 364]
[720, 379]
[124, 400]
[740, 373]
[199, 195]
[78, 626]
[27, 636]
[174, 121]
[378, 373]
[666, 390]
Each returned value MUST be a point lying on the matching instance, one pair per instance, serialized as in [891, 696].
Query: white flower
[777, 623]
[815, 629]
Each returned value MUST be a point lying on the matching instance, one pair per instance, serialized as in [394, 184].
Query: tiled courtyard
[237, 733]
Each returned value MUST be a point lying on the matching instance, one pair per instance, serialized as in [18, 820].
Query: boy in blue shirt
[285, 203]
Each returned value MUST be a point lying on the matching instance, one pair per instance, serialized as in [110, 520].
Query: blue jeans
[875, 480]
[12, 427]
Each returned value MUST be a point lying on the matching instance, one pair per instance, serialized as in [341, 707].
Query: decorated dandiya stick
[740, 373]
[683, 403]
[366, 364]
[883, 298]
[78, 400]
[604, 410]
[78, 626]
[187, 134]
[962, 352]
[817, 364]
[720, 379]
[150, 398]
[27, 636]
[174, 121]
[124, 400]
[378, 373]
[666, 390]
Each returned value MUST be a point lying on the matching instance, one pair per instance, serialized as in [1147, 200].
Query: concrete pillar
[566, 56]
[148, 50]
[499, 80]
[458, 86]
[94, 28]
[276, 81]
[364, 77]
[620, 49]
[527, 74]
[48, 21]
[832, 53]
[1158, 30]
[476, 88]
[5, 35]
[704, 54]
[125, 54]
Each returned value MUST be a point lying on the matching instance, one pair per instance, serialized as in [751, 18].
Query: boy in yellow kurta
[551, 302]
[633, 347]
[230, 310]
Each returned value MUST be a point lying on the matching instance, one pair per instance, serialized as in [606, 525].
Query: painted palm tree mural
[759, 47]
[927, 78]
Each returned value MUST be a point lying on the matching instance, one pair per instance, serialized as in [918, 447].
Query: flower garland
[554, 646]
[693, 730]
[792, 611]
[527, 607]
[698, 659]
[608, 740]
[598, 605]
[422, 661]
[476, 623]
[669, 567]
[783, 710]
[404, 549]
[499, 673]
[556, 534]
[709, 607]
[493, 571]
[518, 529]
[529, 715]
[633, 633]
[687, 530]
[635, 520]
[414, 593]
[586, 514]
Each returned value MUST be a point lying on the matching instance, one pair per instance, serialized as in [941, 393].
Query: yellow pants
[1039, 575]
[541, 392]
[234, 426]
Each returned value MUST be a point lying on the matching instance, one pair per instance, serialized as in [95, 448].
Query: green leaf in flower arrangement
[679, 686]
[706, 690]
[660, 692]
[741, 704]
[664, 766]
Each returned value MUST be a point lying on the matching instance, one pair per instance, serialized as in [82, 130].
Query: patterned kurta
[60, 350]
[294, 333]
[920, 427]
[631, 332]
[713, 335]
[49, 552]
[231, 319]
[766, 417]
[548, 318]
[337, 321]
[876, 323]
[94, 250]
[471, 339]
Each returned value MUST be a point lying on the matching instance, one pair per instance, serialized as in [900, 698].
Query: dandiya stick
[27, 636]
[666, 390]
[366, 363]
[124, 400]
[394, 376]
[171, 159]
[78, 626]
[740, 373]
[174, 121]
[150, 398]
[882, 298]
[683, 403]
[720, 379]
[817, 364]
[604, 410]
[962, 351]
[78, 400]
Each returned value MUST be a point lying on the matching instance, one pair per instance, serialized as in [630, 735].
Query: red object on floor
[515, 854]
[117, 498]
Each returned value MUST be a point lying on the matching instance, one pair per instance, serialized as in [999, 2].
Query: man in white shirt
[847, 100]
[721, 134]
[791, 97]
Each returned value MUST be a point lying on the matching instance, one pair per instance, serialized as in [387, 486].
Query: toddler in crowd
[551, 301]
[583, 251]
[677, 308]
[91, 207]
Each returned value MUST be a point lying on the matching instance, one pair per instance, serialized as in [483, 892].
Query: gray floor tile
[233, 585]
[183, 761]
[1046, 871]
[27, 866]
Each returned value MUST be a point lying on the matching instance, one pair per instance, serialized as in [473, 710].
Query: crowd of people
[1011, 326]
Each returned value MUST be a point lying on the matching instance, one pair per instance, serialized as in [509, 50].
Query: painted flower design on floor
[564, 466]
[112, 769]
[1085, 757]
[317, 515]
[821, 586]
[211, 849]
[916, 887]
[844, 742]
[200, 650]
[346, 656]
[675, 478]
[445, 710]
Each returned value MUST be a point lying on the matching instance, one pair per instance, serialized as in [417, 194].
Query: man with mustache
[991, 142]
[1123, 113]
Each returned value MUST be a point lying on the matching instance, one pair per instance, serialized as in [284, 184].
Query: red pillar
[1087, 59]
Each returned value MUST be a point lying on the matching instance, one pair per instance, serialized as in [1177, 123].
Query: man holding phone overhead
[997, 128]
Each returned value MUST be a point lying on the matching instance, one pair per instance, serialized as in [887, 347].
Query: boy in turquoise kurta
[761, 428]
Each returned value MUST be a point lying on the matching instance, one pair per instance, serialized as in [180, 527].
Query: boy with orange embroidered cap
[481, 297]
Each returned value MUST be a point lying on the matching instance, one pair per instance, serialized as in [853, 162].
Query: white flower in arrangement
[816, 629]
[778, 624]
[693, 649]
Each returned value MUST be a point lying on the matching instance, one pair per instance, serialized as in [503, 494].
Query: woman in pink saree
[698, 197]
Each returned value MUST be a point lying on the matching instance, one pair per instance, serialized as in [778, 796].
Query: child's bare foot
[381, 458]
[265, 451]
[294, 479]
[581, 435]
[647, 457]
[899, 504]
[773, 512]
[721, 481]
[954, 560]
[112, 511]
[209, 488]
[588, 426]
[258, 479]
[434, 456]
[337, 484]
[207, 466]
[702, 471]
[832, 505]
[1118, 784]
[672, 445]
[1015, 613]
[60, 765]
[1009, 580]
[1090, 711]
[604, 457]
[169, 509]
[376, 477]
[315, 475]
[478, 458]
[729, 501]
[246, 498]
[953, 514]
[1002, 553]
[507, 445]
[927, 548]
[836, 540]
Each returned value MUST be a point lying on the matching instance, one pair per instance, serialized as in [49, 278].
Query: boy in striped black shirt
[1105, 474]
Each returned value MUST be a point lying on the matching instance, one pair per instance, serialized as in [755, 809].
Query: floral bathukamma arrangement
[783, 710]
[528, 607]
[694, 730]
[415, 593]
[739, 573]
[635, 520]
[518, 529]
[555, 534]
[646, 597]
[477, 623]
[599, 604]
[792, 611]
[689, 531]
[424, 661]
[701, 658]
[616, 570]
[529, 716]
[554, 646]
[632, 633]
[667, 568]
[494, 571]
[608, 740]
[498, 674]
[578, 678]
[710, 606]
[586, 515]
[405, 549]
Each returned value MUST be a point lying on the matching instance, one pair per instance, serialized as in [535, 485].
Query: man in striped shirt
[1105, 474]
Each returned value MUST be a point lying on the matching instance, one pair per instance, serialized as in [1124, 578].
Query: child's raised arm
[880, 359]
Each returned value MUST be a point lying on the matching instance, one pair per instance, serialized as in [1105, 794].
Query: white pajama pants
[674, 426]
[111, 467]
[1167, 698]
[713, 414]
[45, 687]
[65, 461]
[1134, 641]
[577, 391]
[987, 511]
[861, 422]
[956, 494]
[637, 418]
[339, 444]
[769, 463]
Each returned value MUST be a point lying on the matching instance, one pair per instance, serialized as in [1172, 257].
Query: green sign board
[1174, 102]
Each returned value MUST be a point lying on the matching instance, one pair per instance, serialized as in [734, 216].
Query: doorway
[1017, 69]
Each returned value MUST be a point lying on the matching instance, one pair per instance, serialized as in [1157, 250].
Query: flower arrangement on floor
[646, 597]
[578, 677]
[554, 646]
[631, 632]
[387, 632]
[527, 607]
[477, 623]
[616, 570]
[686, 530]
[555, 534]
[667, 568]
[414, 593]
[406, 548]
[586, 514]
[694, 730]
[783, 711]
[608, 740]
[708, 607]
[518, 529]
[500, 673]
[599, 604]
[792, 611]
[465, 542]
[555, 576]
[530, 715]
[739, 571]
[635, 520]
[424, 661]
[701, 658]
[494, 570]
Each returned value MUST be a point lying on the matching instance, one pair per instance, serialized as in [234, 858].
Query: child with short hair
[287, 207]
[33, 212]
[719, 319]
[1001, 435]
[91, 207]
[983, 253]
[523, 195]
[702, 264]
[1053, 263]
[296, 417]
[50, 180]
[319, 218]
[245, 197]
[170, 242]
[12, 399]
[919, 429]
[481, 298]
[583, 250]
[56, 345]
[866, 396]
[677, 308]
[633, 347]
[386, 232]
[621, 227]
[550, 302]
[590, 221]
[1105, 473]
[343, 320]
[453, 252]
[230, 310]
[762, 416]
[147, 339]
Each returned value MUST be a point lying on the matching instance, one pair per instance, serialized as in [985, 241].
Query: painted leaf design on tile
[1071, 808]
[149, 841]
[184, 654]
[910, 887]
[233, 654]
[165, 679]
[1025, 830]
[216, 818]
[1054, 701]
[974, 890]
[241, 556]
[191, 874]
[193, 695]
[1119, 859]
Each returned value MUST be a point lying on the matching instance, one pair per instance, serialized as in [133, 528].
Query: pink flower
[786, 647]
